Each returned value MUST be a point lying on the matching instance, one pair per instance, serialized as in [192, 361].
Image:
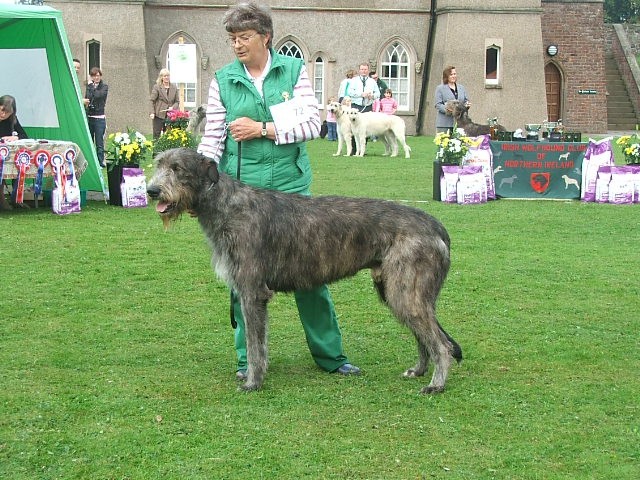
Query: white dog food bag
[449, 183]
[603, 178]
[65, 198]
[133, 188]
[472, 187]
[480, 154]
[621, 186]
[597, 154]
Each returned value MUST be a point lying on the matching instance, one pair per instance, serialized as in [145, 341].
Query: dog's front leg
[347, 141]
[254, 311]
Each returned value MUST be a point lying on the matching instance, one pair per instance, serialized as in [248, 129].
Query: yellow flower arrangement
[452, 147]
[128, 148]
[174, 138]
[630, 148]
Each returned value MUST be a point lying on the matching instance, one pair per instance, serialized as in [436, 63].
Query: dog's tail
[456, 351]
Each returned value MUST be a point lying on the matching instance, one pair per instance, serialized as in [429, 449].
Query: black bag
[324, 129]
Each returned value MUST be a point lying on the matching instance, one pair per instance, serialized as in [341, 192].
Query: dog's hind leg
[412, 287]
[254, 311]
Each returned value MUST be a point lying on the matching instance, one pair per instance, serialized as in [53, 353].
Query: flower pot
[114, 177]
[437, 173]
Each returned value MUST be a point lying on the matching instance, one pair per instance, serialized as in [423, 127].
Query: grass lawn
[117, 360]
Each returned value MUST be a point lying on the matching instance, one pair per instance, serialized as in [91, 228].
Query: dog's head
[196, 116]
[354, 115]
[455, 108]
[334, 107]
[180, 175]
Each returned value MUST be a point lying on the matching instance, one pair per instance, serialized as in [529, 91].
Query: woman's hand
[244, 128]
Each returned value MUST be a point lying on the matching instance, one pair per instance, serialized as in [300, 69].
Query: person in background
[332, 126]
[363, 91]
[95, 101]
[343, 89]
[164, 96]
[271, 158]
[76, 65]
[388, 104]
[449, 89]
[382, 85]
[10, 131]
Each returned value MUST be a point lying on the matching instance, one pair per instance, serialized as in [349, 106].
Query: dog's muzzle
[162, 208]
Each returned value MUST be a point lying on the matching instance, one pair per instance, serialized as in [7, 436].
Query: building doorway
[553, 82]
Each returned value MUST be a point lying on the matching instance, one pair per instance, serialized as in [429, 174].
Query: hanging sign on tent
[183, 63]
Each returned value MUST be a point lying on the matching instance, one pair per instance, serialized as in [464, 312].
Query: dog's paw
[249, 387]
[432, 390]
[412, 373]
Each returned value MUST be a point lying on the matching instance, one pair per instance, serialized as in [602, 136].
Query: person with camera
[95, 101]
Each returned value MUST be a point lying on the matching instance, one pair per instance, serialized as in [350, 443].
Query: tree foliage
[621, 11]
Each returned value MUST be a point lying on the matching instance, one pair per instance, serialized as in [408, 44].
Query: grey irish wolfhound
[460, 112]
[265, 241]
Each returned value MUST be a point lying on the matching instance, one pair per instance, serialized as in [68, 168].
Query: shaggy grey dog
[460, 113]
[196, 119]
[265, 241]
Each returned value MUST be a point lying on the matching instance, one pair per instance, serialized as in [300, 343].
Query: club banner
[542, 170]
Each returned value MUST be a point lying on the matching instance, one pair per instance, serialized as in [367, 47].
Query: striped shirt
[215, 132]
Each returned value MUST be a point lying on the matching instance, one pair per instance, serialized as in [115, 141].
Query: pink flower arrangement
[177, 119]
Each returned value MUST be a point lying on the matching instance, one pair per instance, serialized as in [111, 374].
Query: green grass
[117, 360]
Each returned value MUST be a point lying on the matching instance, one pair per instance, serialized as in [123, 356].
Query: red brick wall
[578, 31]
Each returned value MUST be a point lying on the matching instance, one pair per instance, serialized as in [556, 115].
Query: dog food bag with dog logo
[449, 183]
[133, 188]
[598, 153]
[65, 198]
[621, 185]
[603, 178]
[480, 154]
[472, 187]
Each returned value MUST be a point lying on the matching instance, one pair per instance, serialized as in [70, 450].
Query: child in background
[332, 132]
[388, 104]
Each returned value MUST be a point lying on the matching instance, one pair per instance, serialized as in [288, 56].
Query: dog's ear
[208, 168]
[212, 171]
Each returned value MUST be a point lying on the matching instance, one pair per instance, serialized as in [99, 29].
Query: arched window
[492, 71]
[395, 72]
[318, 80]
[291, 49]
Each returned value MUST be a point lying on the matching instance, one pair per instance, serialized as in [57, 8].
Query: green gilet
[263, 163]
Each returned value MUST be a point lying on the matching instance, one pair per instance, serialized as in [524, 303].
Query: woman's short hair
[95, 71]
[8, 104]
[249, 16]
[446, 72]
[162, 73]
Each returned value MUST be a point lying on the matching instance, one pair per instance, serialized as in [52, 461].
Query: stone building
[501, 49]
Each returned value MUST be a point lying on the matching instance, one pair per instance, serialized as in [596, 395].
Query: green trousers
[320, 325]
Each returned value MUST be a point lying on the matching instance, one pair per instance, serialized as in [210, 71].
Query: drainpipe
[427, 66]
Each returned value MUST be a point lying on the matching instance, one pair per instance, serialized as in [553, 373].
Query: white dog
[390, 127]
[570, 181]
[343, 126]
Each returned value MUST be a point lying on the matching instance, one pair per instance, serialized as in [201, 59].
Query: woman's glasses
[241, 39]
